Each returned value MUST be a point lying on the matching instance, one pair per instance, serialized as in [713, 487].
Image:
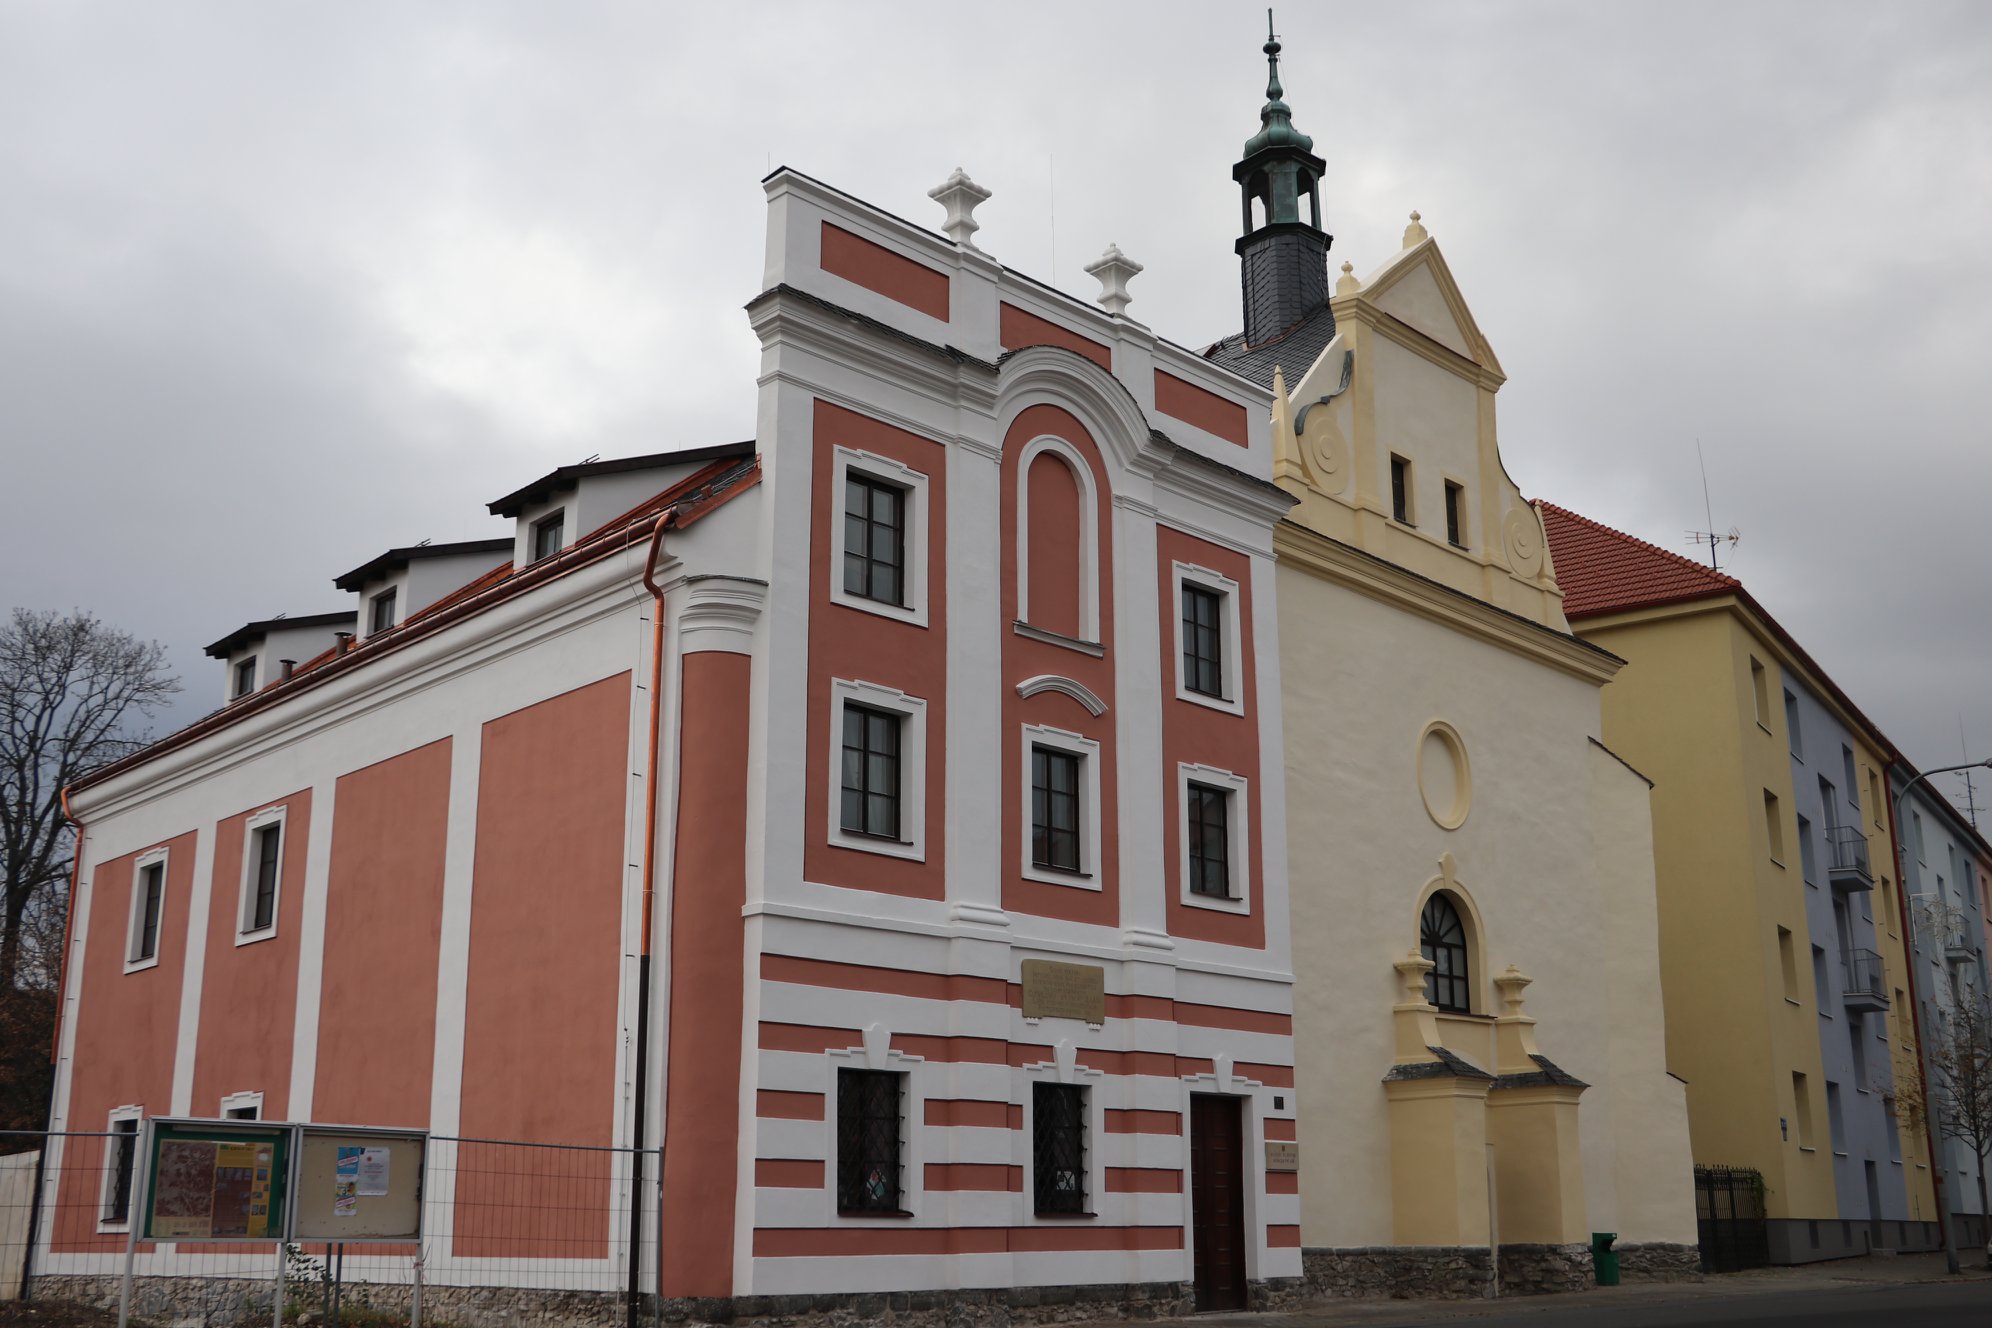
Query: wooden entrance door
[1217, 1200]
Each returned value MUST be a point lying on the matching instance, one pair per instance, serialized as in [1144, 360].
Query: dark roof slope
[248, 632]
[562, 477]
[1294, 350]
[395, 559]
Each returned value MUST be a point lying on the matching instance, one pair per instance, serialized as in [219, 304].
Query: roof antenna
[1709, 536]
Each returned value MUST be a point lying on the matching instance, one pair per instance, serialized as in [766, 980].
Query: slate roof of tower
[1602, 570]
[1294, 350]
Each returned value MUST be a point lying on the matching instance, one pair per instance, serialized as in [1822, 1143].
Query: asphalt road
[1925, 1305]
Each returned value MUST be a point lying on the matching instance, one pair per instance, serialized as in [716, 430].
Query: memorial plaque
[1282, 1155]
[1064, 991]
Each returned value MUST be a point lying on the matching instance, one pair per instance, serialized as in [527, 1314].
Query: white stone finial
[1348, 283]
[1114, 269]
[960, 196]
[1415, 231]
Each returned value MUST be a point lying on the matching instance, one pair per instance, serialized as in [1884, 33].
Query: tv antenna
[1710, 536]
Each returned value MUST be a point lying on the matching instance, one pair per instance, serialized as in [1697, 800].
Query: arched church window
[1442, 939]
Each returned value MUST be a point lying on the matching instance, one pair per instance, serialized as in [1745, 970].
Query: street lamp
[1915, 1012]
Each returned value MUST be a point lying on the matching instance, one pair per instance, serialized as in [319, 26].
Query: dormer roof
[395, 559]
[563, 477]
[256, 631]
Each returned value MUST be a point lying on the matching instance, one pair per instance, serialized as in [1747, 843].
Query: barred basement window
[874, 539]
[1210, 841]
[1442, 939]
[1203, 640]
[871, 772]
[123, 1162]
[868, 1124]
[1058, 1147]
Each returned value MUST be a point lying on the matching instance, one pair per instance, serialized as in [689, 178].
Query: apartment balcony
[1847, 859]
[1958, 948]
[1864, 986]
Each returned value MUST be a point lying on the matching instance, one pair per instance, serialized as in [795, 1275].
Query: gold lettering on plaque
[1064, 991]
[1282, 1155]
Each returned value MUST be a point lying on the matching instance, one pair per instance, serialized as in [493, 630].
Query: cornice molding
[1331, 560]
[720, 613]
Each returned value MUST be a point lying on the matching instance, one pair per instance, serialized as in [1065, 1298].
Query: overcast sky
[284, 285]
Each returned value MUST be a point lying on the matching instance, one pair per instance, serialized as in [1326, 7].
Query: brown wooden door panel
[1217, 1200]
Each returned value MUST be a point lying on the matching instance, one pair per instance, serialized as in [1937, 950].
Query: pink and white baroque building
[882, 818]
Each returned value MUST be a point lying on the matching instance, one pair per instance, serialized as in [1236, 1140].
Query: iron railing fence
[1863, 973]
[1729, 1219]
[509, 1229]
[1847, 846]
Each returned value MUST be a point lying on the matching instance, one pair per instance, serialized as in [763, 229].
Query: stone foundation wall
[241, 1303]
[1452, 1272]
[1536, 1270]
[1659, 1261]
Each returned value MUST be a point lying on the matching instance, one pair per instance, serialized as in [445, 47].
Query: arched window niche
[1058, 558]
[1451, 937]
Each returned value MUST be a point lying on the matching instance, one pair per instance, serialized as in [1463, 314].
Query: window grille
[1058, 1147]
[874, 539]
[1203, 641]
[1054, 809]
[1442, 939]
[1210, 841]
[124, 1160]
[269, 842]
[868, 1125]
[871, 772]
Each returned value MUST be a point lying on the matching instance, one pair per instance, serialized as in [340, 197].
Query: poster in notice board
[357, 1185]
[210, 1182]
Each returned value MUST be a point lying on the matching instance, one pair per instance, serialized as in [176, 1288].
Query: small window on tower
[1455, 515]
[1400, 490]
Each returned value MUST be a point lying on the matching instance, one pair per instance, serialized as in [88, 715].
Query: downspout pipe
[651, 763]
[1915, 1007]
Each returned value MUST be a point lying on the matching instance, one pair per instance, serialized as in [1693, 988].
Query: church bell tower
[1285, 259]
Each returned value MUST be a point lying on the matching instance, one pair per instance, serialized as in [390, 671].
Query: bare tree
[1961, 1076]
[73, 694]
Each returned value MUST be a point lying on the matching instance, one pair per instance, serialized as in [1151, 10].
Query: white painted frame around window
[913, 575]
[1088, 751]
[1237, 849]
[1232, 663]
[912, 710]
[877, 1055]
[245, 901]
[1089, 536]
[107, 1187]
[134, 922]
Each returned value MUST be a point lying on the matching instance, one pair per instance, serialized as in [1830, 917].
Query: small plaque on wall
[1282, 1155]
[1064, 991]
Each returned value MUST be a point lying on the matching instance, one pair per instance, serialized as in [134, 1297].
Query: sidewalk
[1897, 1270]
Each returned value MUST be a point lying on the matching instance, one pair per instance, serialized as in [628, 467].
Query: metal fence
[1729, 1219]
[509, 1229]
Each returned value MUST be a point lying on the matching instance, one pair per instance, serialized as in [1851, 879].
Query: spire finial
[1416, 231]
[1272, 49]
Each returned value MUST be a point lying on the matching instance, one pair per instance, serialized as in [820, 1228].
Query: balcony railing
[1847, 858]
[1864, 985]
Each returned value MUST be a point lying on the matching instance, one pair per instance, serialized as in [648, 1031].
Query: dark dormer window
[380, 613]
[245, 676]
[549, 535]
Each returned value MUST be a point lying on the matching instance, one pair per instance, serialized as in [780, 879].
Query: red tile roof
[1602, 570]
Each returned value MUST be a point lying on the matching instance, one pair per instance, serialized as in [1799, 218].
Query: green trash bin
[1604, 1259]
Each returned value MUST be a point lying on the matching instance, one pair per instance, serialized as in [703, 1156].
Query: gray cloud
[280, 287]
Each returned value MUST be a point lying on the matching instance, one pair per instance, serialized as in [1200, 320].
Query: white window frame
[107, 1187]
[1087, 1081]
[245, 932]
[533, 527]
[1089, 539]
[913, 575]
[134, 924]
[1233, 662]
[912, 1143]
[237, 1101]
[235, 689]
[912, 710]
[391, 587]
[1237, 851]
[1088, 751]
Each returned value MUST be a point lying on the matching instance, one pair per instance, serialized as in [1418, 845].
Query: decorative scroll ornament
[1521, 537]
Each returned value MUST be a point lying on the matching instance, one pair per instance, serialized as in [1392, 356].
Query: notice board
[216, 1181]
[358, 1185]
